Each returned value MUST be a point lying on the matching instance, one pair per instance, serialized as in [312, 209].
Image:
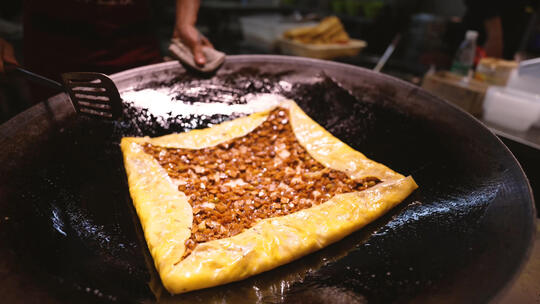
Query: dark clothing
[88, 35]
[515, 16]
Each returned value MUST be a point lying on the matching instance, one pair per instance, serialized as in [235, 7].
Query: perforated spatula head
[93, 94]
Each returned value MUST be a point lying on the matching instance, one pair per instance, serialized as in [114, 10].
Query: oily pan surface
[72, 233]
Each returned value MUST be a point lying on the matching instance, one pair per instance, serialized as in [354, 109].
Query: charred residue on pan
[230, 88]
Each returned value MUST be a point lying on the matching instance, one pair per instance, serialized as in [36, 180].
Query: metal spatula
[92, 94]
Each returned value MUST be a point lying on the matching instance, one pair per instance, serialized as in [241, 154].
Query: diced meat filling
[264, 174]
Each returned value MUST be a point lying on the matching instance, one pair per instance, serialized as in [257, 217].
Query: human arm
[185, 30]
[494, 37]
[7, 55]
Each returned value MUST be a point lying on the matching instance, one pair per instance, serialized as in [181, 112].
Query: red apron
[104, 36]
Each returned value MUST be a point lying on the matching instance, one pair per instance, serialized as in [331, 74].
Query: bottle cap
[471, 34]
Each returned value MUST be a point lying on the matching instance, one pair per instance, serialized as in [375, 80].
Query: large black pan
[68, 231]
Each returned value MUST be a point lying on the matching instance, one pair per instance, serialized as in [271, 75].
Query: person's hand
[194, 40]
[6, 55]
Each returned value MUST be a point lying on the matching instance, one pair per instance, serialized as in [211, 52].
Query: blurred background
[424, 34]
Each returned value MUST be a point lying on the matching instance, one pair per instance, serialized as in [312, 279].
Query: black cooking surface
[68, 223]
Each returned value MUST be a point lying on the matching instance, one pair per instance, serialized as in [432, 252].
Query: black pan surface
[68, 231]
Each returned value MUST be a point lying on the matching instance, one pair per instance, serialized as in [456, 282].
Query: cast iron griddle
[69, 233]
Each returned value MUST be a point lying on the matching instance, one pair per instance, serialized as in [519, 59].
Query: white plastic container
[527, 83]
[513, 109]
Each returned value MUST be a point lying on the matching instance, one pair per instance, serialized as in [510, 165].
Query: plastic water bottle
[464, 59]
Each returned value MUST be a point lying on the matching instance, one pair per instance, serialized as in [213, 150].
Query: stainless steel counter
[526, 287]
[529, 138]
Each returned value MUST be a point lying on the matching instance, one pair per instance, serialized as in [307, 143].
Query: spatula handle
[35, 77]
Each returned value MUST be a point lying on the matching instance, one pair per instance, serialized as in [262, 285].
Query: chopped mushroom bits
[266, 173]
